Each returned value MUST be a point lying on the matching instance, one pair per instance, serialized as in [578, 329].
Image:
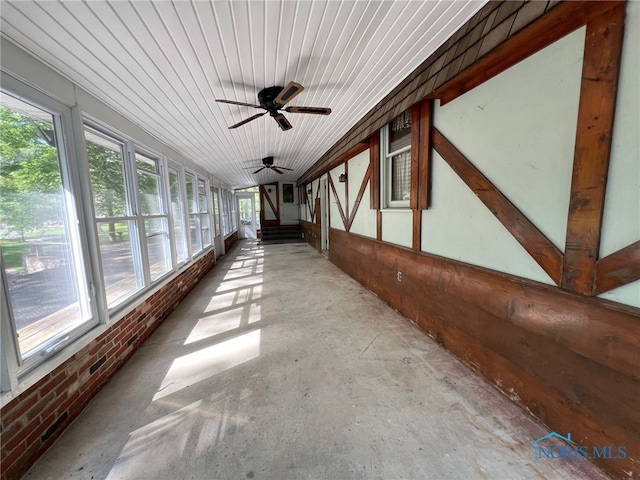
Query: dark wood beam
[416, 242]
[415, 155]
[356, 204]
[543, 251]
[601, 64]
[555, 24]
[346, 193]
[424, 154]
[374, 165]
[618, 269]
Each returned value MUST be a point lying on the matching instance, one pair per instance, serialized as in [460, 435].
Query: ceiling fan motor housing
[267, 98]
[267, 161]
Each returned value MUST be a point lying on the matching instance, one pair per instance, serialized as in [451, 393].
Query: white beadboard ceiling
[162, 64]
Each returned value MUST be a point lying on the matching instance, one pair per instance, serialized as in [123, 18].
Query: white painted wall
[460, 227]
[335, 219]
[621, 218]
[364, 223]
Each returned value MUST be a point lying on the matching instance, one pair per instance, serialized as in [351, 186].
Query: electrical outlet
[399, 276]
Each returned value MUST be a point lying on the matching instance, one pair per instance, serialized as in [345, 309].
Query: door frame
[247, 196]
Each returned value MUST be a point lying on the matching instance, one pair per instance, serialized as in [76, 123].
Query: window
[198, 208]
[205, 218]
[395, 151]
[216, 210]
[177, 210]
[131, 214]
[226, 224]
[47, 279]
[117, 225]
[154, 212]
[287, 193]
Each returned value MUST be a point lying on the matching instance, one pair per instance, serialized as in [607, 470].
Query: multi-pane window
[198, 209]
[152, 208]
[203, 210]
[116, 207]
[395, 150]
[177, 210]
[216, 213]
[226, 224]
[130, 212]
[43, 266]
[117, 225]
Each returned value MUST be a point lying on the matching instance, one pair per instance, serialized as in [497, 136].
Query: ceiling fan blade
[282, 121]
[277, 170]
[232, 102]
[313, 110]
[291, 90]
[259, 170]
[258, 115]
[283, 168]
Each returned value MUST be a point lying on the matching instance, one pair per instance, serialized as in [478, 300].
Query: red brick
[34, 411]
[20, 437]
[23, 403]
[12, 458]
[10, 432]
[54, 379]
[66, 383]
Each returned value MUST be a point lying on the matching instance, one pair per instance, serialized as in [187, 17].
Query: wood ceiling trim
[543, 251]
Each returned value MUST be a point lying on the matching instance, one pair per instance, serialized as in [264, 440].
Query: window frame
[13, 360]
[386, 161]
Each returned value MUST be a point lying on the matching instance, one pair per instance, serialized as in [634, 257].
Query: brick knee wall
[31, 422]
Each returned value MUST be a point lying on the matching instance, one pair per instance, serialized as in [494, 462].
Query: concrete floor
[279, 366]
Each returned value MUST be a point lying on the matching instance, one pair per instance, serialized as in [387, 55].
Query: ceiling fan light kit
[273, 100]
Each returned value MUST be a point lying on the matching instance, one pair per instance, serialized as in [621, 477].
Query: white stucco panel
[364, 223]
[357, 168]
[459, 226]
[519, 129]
[397, 226]
[621, 218]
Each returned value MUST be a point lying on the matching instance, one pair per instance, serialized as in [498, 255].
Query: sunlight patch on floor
[207, 362]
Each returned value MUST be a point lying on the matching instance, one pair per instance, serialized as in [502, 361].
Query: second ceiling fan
[273, 100]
